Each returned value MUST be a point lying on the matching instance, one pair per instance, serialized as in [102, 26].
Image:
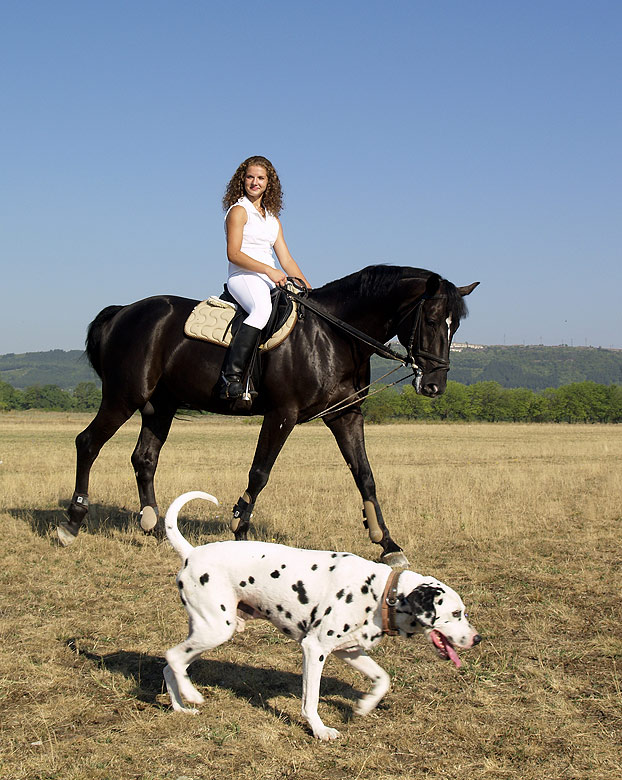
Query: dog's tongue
[441, 642]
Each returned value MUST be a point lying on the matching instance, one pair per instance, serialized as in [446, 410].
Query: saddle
[217, 320]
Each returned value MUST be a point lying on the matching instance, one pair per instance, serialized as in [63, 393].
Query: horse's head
[427, 334]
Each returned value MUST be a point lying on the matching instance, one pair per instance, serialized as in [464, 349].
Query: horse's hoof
[148, 518]
[397, 560]
[65, 535]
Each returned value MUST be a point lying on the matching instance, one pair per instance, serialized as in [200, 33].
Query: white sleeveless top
[258, 236]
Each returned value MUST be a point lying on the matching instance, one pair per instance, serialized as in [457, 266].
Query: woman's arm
[288, 264]
[236, 219]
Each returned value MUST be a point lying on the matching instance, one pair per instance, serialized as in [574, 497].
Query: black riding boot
[237, 361]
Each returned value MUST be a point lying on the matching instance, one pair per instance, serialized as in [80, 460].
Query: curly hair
[272, 199]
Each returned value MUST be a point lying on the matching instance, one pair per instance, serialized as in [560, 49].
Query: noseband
[416, 337]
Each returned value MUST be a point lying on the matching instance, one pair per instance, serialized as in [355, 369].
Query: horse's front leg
[347, 428]
[276, 427]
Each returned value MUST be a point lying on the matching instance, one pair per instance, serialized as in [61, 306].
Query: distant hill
[65, 369]
[535, 368]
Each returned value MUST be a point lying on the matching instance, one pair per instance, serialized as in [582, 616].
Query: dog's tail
[178, 542]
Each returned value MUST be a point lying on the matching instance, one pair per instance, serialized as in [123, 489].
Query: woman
[253, 201]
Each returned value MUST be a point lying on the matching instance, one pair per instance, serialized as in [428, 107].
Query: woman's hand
[277, 276]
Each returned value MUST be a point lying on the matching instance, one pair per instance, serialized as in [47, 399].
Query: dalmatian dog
[329, 602]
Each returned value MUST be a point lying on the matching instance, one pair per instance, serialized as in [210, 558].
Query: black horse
[146, 362]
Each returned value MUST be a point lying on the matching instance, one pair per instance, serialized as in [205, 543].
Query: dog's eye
[457, 614]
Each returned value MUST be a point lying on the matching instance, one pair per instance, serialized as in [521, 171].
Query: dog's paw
[324, 734]
[365, 705]
[192, 696]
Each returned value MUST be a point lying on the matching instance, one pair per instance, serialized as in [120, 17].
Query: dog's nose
[477, 639]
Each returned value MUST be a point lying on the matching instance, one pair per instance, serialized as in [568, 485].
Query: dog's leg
[367, 666]
[202, 637]
[313, 658]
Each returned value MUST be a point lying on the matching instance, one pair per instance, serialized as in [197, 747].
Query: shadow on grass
[255, 685]
[102, 519]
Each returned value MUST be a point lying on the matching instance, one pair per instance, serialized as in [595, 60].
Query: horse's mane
[378, 280]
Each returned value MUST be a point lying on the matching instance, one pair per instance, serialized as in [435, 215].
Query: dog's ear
[422, 603]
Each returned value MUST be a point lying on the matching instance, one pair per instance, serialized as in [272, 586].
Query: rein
[409, 360]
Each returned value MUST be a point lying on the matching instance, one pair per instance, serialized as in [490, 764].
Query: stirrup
[228, 388]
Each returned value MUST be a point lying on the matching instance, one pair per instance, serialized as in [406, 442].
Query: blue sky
[480, 139]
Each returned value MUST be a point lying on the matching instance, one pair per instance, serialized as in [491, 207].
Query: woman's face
[255, 181]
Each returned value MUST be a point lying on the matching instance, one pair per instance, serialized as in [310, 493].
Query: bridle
[414, 350]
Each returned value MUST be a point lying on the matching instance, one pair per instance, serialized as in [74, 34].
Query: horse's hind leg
[156, 424]
[348, 431]
[89, 442]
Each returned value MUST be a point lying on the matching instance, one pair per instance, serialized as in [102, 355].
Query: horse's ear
[432, 285]
[468, 289]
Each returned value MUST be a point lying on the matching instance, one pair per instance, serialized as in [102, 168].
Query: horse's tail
[93, 335]
[177, 541]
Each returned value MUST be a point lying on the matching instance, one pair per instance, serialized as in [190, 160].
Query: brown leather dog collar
[389, 602]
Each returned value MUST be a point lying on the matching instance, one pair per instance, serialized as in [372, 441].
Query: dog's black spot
[263, 556]
[189, 649]
[368, 609]
[328, 610]
[314, 567]
[182, 600]
[330, 633]
[366, 622]
[346, 628]
[279, 607]
[364, 589]
[299, 588]
[268, 612]
[376, 636]
[286, 630]
[204, 578]
[439, 602]
[330, 568]
[313, 614]
[349, 598]
[340, 594]
[283, 566]
[224, 609]
[251, 580]
[364, 636]
[317, 622]
[185, 563]
[275, 574]
[227, 622]
[242, 584]
[321, 658]
[288, 615]
[180, 585]
[302, 625]
[334, 555]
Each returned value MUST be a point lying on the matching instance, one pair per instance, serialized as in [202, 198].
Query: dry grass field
[524, 521]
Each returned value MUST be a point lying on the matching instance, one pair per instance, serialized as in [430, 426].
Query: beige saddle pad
[210, 319]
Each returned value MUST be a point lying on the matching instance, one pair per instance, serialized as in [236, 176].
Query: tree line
[580, 402]
[85, 397]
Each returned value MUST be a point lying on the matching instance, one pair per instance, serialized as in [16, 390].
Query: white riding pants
[252, 292]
